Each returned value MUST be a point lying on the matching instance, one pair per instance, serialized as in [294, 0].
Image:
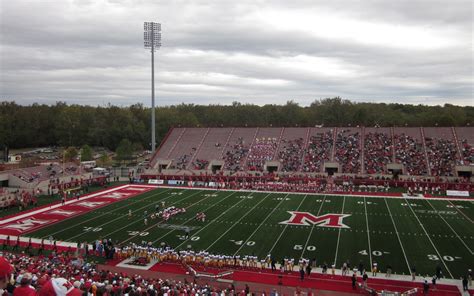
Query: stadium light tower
[152, 41]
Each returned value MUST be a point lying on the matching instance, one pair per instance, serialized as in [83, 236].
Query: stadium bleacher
[378, 150]
[290, 151]
[319, 149]
[429, 151]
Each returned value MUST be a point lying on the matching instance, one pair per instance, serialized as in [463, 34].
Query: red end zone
[23, 223]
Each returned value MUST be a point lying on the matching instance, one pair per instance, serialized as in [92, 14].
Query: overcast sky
[252, 51]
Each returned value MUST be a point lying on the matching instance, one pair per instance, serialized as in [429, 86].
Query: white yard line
[368, 232]
[462, 213]
[339, 234]
[125, 216]
[428, 236]
[312, 227]
[284, 228]
[95, 217]
[212, 221]
[237, 222]
[193, 218]
[255, 231]
[46, 208]
[398, 236]
[469, 249]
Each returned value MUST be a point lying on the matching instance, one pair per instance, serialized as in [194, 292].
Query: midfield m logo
[308, 219]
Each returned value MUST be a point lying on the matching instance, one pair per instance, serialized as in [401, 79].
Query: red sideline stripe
[34, 221]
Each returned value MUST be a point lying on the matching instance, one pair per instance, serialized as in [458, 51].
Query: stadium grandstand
[430, 153]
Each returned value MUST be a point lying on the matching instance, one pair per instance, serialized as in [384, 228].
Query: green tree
[104, 160]
[86, 153]
[137, 147]
[70, 154]
[124, 150]
[75, 125]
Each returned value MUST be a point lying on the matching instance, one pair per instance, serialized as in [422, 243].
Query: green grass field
[399, 232]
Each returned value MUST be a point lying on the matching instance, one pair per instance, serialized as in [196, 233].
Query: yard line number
[367, 202]
[245, 196]
[93, 229]
[410, 204]
[240, 242]
[193, 238]
[445, 257]
[139, 233]
[374, 252]
[308, 248]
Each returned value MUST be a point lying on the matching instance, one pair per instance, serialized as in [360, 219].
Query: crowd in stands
[347, 151]
[200, 164]
[234, 157]
[29, 178]
[64, 274]
[409, 152]
[319, 151]
[261, 151]
[354, 152]
[67, 273]
[290, 154]
[58, 185]
[441, 156]
[44, 172]
[377, 152]
[182, 161]
[467, 153]
[17, 198]
[299, 181]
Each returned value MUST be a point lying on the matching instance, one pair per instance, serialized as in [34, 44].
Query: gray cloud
[90, 52]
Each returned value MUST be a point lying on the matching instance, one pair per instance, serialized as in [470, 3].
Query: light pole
[152, 40]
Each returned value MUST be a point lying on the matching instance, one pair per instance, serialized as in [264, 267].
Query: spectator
[354, 281]
[409, 152]
[261, 151]
[290, 154]
[441, 155]
[467, 153]
[365, 277]
[464, 283]
[377, 152]
[200, 164]
[348, 151]
[318, 151]
[426, 287]
[25, 288]
[78, 278]
[234, 157]
[6, 269]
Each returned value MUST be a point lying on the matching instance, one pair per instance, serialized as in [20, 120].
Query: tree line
[76, 125]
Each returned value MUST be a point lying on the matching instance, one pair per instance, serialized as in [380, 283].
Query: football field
[332, 229]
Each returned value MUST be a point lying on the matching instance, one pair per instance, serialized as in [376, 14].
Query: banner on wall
[457, 193]
[155, 182]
